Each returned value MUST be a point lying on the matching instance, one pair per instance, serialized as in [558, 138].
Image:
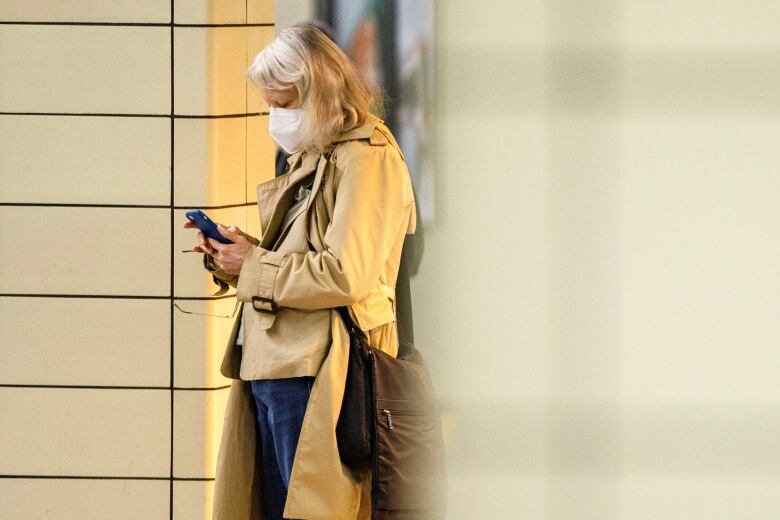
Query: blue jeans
[281, 404]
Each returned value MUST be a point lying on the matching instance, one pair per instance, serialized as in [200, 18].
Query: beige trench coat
[359, 211]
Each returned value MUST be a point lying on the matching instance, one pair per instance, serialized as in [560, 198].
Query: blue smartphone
[205, 224]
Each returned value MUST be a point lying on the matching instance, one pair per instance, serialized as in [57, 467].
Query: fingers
[215, 245]
[204, 244]
[228, 232]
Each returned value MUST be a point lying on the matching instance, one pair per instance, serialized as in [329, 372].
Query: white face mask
[284, 125]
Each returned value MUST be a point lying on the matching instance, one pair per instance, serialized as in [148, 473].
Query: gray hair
[333, 94]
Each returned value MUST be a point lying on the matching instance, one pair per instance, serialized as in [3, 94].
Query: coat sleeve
[371, 203]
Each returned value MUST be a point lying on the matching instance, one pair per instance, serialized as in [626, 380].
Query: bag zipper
[389, 418]
[389, 414]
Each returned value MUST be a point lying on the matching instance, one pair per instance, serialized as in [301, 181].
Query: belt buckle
[270, 301]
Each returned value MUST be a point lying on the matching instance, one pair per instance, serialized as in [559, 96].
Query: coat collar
[363, 131]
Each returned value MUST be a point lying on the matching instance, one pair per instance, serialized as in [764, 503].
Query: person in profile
[333, 222]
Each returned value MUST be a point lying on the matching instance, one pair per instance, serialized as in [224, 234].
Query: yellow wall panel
[209, 70]
[192, 499]
[200, 341]
[62, 68]
[85, 159]
[85, 341]
[85, 499]
[210, 11]
[210, 158]
[83, 431]
[134, 11]
[197, 422]
[86, 250]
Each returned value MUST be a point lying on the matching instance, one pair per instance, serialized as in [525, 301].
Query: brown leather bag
[390, 422]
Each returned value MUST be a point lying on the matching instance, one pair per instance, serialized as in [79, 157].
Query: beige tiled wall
[112, 126]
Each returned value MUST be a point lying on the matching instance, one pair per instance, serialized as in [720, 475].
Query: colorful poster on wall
[391, 41]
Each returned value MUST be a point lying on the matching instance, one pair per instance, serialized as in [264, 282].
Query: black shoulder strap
[403, 300]
[352, 327]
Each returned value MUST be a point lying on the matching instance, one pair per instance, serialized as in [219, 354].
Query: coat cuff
[257, 277]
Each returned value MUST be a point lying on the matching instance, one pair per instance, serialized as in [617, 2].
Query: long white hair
[334, 96]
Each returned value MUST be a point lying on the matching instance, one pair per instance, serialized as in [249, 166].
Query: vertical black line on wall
[171, 201]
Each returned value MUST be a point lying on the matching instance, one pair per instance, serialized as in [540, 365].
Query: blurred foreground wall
[113, 123]
[601, 297]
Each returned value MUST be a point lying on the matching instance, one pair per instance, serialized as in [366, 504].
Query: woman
[333, 229]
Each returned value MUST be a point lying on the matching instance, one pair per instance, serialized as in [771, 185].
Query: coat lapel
[274, 196]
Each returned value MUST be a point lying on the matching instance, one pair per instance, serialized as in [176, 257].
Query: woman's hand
[227, 257]
[203, 246]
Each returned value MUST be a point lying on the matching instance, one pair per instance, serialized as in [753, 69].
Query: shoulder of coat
[378, 137]
[356, 147]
